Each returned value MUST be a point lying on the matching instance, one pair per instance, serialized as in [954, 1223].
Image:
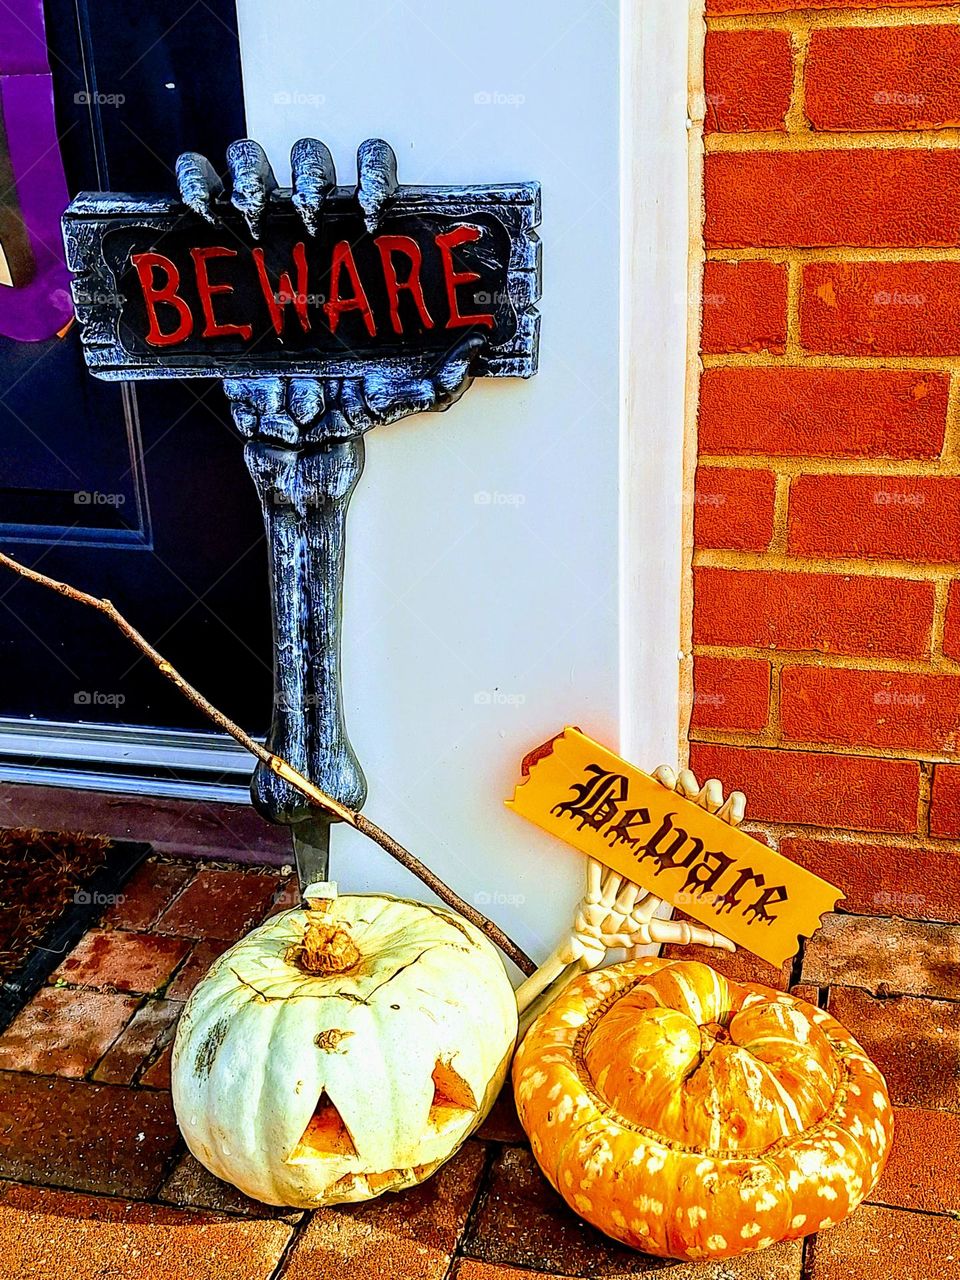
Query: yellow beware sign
[590, 798]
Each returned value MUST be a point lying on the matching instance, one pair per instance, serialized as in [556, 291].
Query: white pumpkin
[334, 1054]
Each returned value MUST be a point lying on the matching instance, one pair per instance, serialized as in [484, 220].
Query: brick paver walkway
[96, 1182]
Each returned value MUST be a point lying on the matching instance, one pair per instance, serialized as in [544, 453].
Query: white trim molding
[659, 44]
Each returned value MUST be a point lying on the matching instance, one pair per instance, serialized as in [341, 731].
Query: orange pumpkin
[695, 1117]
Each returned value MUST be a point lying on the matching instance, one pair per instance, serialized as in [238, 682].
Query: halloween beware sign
[590, 798]
[162, 293]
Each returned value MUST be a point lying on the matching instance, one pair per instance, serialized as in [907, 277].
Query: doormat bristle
[41, 873]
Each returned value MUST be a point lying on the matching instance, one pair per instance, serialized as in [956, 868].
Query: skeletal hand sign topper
[615, 913]
[293, 411]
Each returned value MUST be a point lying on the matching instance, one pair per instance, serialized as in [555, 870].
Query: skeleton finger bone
[682, 931]
[199, 184]
[314, 176]
[377, 174]
[254, 181]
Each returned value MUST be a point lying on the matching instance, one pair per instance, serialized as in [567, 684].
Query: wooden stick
[331, 807]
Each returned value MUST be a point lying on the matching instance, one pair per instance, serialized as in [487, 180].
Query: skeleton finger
[688, 785]
[595, 871]
[314, 177]
[454, 375]
[199, 184]
[710, 795]
[253, 181]
[666, 777]
[682, 931]
[734, 809]
[377, 171]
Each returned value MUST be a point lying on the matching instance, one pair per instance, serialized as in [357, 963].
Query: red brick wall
[827, 516]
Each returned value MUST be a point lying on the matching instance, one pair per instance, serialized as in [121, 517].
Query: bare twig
[331, 807]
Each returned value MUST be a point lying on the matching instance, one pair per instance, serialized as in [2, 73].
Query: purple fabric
[41, 307]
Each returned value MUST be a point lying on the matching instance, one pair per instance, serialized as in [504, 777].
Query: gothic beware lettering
[590, 798]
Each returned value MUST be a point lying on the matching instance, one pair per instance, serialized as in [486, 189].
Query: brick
[871, 708]
[157, 1075]
[522, 1222]
[194, 1187]
[720, 8]
[827, 413]
[89, 1137]
[125, 961]
[744, 307]
[945, 802]
[733, 508]
[63, 1032]
[896, 77]
[195, 967]
[884, 880]
[146, 895]
[151, 1028]
[749, 80]
[876, 1244]
[856, 793]
[412, 1235]
[220, 904]
[502, 1123]
[910, 518]
[739, 965]
[730, 693]
[880, 308]
[813, 612]
[951, 625]
[915, 1043]
[76, 1237]
[886, 957]
[780, 1262]
[923, 1171]
[810, 199]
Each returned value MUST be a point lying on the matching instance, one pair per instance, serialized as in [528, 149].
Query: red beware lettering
[342, 260]
[146, 265]
[277, 299]
[447, 241]
[388, 246]
[212, 328]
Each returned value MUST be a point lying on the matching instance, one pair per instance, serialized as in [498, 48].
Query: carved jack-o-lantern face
[694, 1117]
[307, 1088]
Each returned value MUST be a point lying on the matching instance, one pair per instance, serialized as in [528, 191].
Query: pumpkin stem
[326, 948]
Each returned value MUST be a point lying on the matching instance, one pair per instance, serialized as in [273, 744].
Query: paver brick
[124, 961]
[64, 1032]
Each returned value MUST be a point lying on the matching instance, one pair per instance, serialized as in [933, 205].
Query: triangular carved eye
[452, 1097]
[325, 1135]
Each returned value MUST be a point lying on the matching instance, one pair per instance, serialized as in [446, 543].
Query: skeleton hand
[302, 411]
[616, 913]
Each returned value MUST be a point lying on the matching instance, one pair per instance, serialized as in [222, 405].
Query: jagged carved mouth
[327, 1135]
